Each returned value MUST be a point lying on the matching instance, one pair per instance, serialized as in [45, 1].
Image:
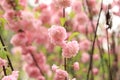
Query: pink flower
[60, 75]
[40, 78]
[54, 67]
[95, 71]
[76, 6]
[85, 45]
[28, 49]
[57, 34]
[85, 57]
[13, 76]
[76, 66]
[96, 57]
[19, 39]
[81, 18]
[16, 50]
[23, 3]
[62, 3]
[32, 71]
[2, 62]
[70, 49]
[8, 78]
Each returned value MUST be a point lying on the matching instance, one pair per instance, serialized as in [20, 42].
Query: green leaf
[62, 21]
[18, 7]
[3, 53]
[72, 14]
[2, 22]
[74, 34]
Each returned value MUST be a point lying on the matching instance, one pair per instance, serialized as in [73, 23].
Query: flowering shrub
[62, 40]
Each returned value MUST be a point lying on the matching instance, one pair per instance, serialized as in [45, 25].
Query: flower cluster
[13, 76]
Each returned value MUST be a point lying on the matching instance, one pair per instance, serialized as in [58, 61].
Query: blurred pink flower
[60, 75]
[28, 49]
[57, 35]
[96, 57]
[23, 3]
[54, 67]
[76, 66]
[32, 71]
[2, 62]
[19, 39]
[85, 45]
[13, 76]
[92, 4]
[85, 57]
[40, 78]
[62, 3]
[70, 49]
[81, 18]
[17, 49]
[76, 6]
[95, 71]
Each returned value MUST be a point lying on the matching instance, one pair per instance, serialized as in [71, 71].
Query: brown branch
[5, 49]
[35, 61]
[65, 59]
[95, 36]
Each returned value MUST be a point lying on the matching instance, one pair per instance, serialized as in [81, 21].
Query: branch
[5, 49]
[95, 36]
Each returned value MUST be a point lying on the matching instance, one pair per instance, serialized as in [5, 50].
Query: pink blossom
[41, 78]
[60, 75]
[45, 18]
[96, 57]
[41, 58]
[9, 78]
[19, 39]
[81, 18]
[5, 5]
[76, 6]
[41, 7]
[54, 67]
[85, 45]
[55, 19]
[76, 66]
[91, 2]
[85, 57]
[28, 59]
[11, 16]
[95, 71]
[70, 49]
[13, 76]
[17, 49]
[32, 70]
[2, 62]
[62, 3]
[81, 28]
[43, 32]
[57, 34]
[92, 5]
[28, 49]
[23, 3]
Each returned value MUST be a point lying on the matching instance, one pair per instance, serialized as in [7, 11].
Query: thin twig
[5, 49]
[65, 59]
[36, 64]
[109, 60]
[92, 51]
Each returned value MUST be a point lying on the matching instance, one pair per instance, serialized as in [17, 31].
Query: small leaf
[72, 14]
[2, 22]
[73, 35]
[62, 21]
